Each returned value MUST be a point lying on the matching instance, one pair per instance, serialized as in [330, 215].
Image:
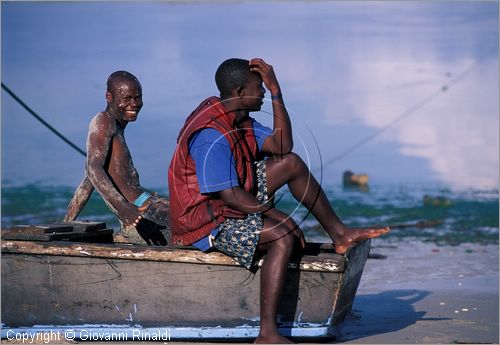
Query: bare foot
[354, 235]
[272, 339]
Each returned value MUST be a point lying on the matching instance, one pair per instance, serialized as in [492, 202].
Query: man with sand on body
[110, 170]
[224, 172]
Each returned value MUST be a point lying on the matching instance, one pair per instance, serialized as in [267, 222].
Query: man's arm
[102, 130]
[79, 200]
[239, 199]
[281, 141]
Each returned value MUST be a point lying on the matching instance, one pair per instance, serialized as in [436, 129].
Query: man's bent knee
[286, 239]
[292, 162]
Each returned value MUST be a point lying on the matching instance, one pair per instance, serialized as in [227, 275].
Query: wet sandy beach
[424, 293]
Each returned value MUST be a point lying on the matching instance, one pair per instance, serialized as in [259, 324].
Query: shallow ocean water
[448, 216]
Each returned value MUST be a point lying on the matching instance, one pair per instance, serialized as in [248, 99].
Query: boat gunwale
[334, 263]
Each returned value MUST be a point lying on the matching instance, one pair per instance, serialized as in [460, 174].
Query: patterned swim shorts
[239, 238]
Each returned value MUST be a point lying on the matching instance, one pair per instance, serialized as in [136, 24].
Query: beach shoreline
[419, 292]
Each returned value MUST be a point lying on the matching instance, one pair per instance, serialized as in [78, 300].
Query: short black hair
[231, 74]
[120, 76]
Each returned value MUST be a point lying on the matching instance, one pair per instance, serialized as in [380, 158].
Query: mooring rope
[45, 123]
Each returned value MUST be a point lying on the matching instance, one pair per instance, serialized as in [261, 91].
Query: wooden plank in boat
[86, 226]
[43, 228]
[38, 235]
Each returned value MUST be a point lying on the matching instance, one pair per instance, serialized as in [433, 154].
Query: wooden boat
[101, 290]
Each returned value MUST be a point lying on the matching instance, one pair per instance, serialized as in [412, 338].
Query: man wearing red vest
[224, 172]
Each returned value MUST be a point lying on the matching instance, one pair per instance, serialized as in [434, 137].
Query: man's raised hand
[266, 72]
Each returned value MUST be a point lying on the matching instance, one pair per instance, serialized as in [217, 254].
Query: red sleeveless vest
[192, 214]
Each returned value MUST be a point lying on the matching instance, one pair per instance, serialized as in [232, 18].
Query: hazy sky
[347, 69]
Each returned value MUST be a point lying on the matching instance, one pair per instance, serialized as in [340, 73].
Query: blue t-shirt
[215, 165]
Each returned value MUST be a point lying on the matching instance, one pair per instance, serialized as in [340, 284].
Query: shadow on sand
[383, 312]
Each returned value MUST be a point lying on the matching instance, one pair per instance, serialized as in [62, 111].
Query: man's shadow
[384, 312]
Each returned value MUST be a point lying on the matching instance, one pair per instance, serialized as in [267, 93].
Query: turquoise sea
[425, 212]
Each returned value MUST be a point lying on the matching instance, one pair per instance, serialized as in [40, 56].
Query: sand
[424, 293]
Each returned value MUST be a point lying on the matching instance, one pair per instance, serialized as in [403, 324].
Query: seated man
[110, 169]
[221, 184]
